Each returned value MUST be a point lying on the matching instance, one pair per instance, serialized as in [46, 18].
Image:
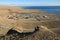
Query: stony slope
[47, 32]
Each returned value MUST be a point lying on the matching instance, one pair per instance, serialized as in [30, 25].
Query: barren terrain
[49, 24]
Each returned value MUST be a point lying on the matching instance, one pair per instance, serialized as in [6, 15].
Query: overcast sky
[30, 2]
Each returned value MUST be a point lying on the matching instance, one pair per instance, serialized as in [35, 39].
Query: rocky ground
[48, 31]
[41, 34]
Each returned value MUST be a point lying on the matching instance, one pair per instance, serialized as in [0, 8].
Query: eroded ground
[48, 29]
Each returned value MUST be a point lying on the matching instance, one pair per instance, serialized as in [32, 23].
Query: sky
[30, 2]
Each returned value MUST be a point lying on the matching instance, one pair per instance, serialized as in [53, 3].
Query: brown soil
[41, 34]
[51, 33]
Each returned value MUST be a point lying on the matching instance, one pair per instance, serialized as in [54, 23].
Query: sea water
[46, 9]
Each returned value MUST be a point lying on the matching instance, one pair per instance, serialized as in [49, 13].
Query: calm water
[47, 9]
